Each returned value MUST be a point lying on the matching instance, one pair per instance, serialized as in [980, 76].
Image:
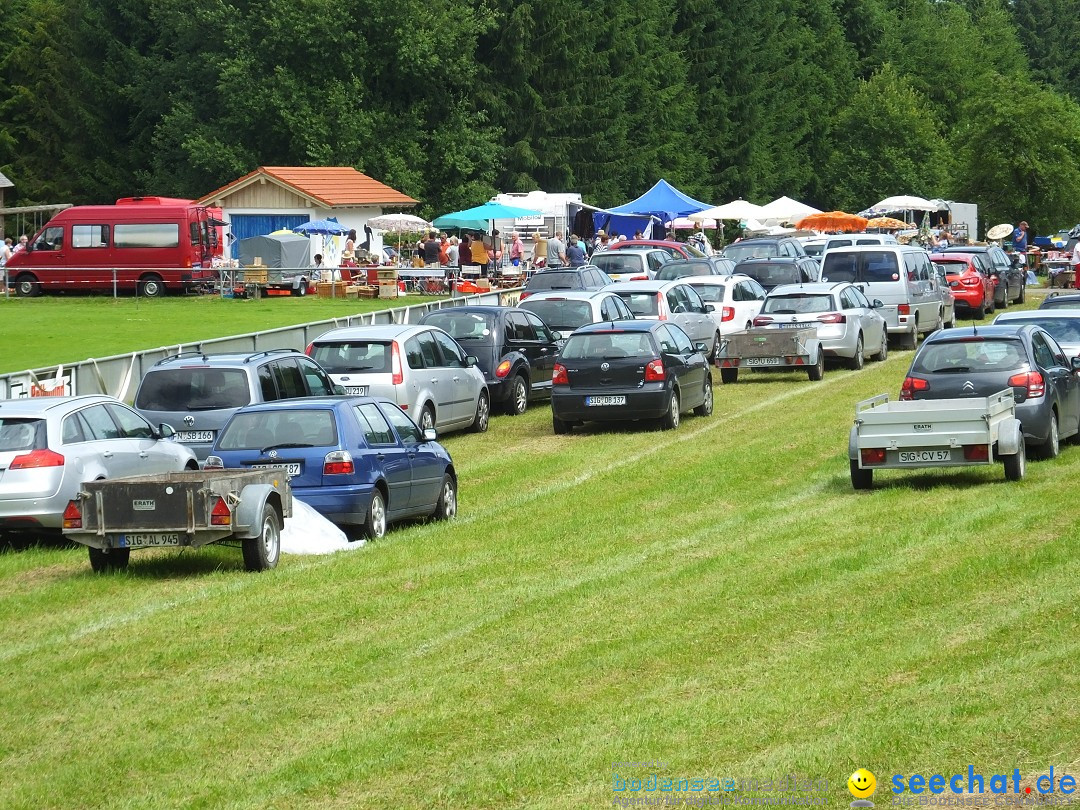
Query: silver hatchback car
[419, 367]
[50, 445]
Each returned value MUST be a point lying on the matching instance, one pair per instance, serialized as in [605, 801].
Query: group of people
[10, 248]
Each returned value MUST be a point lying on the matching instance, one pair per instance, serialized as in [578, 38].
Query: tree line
[835, 102]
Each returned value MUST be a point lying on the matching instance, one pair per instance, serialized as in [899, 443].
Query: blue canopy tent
[661, 203]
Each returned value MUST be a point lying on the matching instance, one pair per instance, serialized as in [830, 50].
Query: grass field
[716, 601]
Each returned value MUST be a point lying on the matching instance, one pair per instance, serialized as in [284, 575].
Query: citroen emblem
[189, 420]
[273, 454]
[605, 366]
[969, 387]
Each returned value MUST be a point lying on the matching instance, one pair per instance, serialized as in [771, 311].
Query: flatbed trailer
[771, 349]
[182, 509]
[934, 433]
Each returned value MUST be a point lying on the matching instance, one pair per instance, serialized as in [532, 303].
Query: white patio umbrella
[785, 209]
[399, 223]
[736, 209]
[907, 202]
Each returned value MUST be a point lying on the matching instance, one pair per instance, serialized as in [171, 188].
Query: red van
[149, 245]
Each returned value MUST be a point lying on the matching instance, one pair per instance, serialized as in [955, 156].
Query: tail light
[559, 375]
[762, 320]
[213, 463]
[307, 351]
[638, 278]
[338, 462]
[35, 459]
[832, 317]
[524, 294]
[661, 307]
[503, 369]
[1032, 381]
[395, 364]
[727, 313]
[73, 516]
[904, 309]
[872, 455]
[976, 452]
[220, 515]
[911, 385]
[654, 371]
[971, 281]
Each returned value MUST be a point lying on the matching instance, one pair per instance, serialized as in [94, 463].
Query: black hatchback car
[1061, 301]
[513, 347]
[686, 268]
[629, 370]
[773, 272]
[586, 277]
[1011, 278]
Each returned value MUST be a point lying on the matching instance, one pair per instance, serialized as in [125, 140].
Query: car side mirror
[166, 431]
[701, 347]
[1075, 363]
[876, 303]
[339, 389]
[430, 435]
[556, 335]
[470, 361]
[709, 308]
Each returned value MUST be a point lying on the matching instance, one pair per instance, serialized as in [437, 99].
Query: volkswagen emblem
[189, 420]
[969, 387]
[273, 454]
[605, 366]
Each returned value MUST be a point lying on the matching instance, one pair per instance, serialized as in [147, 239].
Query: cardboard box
[388, 291]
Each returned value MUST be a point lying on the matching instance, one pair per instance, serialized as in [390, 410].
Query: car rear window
[21, 434]
[551, 280]
[193, 389]
[618, 262]
[967, 356]
[258, 430]
[760, 250]
[341, 356]
[771, 275]
[642, 304]
[710, 292]
[953, 268]
[561, 315]
[1063, 330]
[798, 304]
[863, 266]
[609, 346]
[463, 325]
[682, 269]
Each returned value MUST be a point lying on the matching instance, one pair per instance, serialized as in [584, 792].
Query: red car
[969, 279]
[678, 250]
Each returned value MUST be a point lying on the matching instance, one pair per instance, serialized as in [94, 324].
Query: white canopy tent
[736, 209]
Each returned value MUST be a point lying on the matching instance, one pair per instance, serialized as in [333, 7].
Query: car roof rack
[267, 352]
[182, 356]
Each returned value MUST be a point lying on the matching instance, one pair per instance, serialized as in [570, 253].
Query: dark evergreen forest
[835, 102]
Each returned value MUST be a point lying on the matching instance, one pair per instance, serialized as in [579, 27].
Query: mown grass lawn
[717, 599]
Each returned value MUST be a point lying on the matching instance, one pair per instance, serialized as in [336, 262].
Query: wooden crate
[256, 275]
[327, 289]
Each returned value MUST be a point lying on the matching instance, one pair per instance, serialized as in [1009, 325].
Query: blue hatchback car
[358, 461]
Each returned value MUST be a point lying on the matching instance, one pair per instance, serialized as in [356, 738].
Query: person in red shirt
[517, 249]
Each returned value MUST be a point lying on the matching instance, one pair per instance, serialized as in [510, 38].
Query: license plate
[290, 469]
[797, 325]
[607, 400]
[145, 540]
[762, 361]
[356, 390]
[195, 435]
[924, 456]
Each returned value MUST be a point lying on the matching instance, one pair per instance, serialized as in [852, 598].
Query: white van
[900, 276]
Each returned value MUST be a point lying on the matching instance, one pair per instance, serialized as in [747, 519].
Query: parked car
[677, 250]
[849, 239]
[564, 312]
[779, 270]
[421, 368]
[50, 445]
[1061, 301]
[765, 247]
[848, 326]
[968, 275]
[1062, 324]
[945, 293]
[358, 461]
[630, 370]
[197, 393]
[676, 302]
[814, 245]
[586, 277]
[515, 350]
[685, 268]
[980, 361]
[1010, 277]
[631, 264]
[736, 300]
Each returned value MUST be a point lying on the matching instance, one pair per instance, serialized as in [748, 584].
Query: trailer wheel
[817, 371]
[860, 478]
[1016, 464]
[112, 559]
[262, 552]
[729, 375]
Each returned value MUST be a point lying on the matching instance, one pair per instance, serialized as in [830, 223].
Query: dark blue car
[358, 461]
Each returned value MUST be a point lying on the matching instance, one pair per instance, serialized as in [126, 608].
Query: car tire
[262, 552]
[151, 287]
[979, 312]
[817, 371]
[860, 478]
[706, 406]
[911, 339]
[102, 561]
[300, 292]
[375, 522]
[670, 420]
[991, 308]
[560, 427]
[952, 321]
[427, 417]
[883, 352]
[446, 508]
[1023, 294]
[857, 360]
[483, 413]
[27, 286]
[1016, 464]
[714, 357]
[519, 396]
[1051, 448]
[729, 376]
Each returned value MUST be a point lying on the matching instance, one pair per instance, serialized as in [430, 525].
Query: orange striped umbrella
[888, 223]
[832, 221]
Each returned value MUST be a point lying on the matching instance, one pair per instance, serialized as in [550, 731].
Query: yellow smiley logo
[861, 783]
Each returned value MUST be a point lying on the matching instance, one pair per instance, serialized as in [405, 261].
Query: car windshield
[682, 269]
[971, 355]
[617, 261]
[861, 266]
[562, 315]
[341, 356]
[642, 304]
[18, 434]
[752, 250]
[193, 389]
[265, 430]
[798, 304]
[608, 346]
[710, 292]
[770, 274]
[554, 280]
[463, 325]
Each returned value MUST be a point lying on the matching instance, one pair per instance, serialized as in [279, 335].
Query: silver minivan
[900, 276]
[421, 368]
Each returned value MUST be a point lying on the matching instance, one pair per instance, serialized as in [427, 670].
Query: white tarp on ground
[308, 532]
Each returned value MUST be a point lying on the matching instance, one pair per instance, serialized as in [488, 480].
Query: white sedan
[736, 300]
